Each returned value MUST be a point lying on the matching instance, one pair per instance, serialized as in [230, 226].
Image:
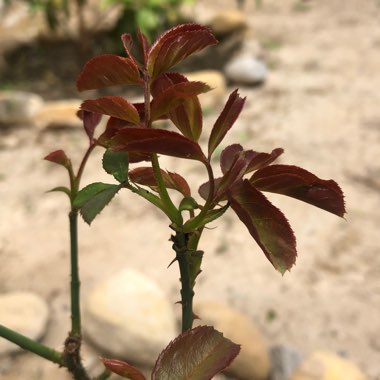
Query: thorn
[173, 261]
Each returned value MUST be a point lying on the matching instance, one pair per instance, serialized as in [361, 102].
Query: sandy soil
[321, 104]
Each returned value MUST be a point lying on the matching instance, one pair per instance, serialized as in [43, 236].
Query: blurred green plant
[152, 17]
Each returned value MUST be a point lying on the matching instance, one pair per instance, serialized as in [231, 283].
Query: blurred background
[310, 71]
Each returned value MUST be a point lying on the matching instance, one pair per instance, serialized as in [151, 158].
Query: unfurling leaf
[177, 44]
[148, 140]
[300, 184]
[61, 189]
[225, 120]
[188, 204]
[123, 369]
[90, 122]
[187, 117]
[59, 157]
[92, 199]
[116, 164]
[145, 176]
[197, 354]
[256, 160]
[175, 95]
[108, 70]
[115, 106]
[266, 223]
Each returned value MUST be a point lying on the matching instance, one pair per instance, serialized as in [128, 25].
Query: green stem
[75, 282]
[31, 345]
[187, 293]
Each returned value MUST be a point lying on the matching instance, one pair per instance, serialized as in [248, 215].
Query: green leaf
[116, 164]
[197, 354]
[123, 369]
[92, 199]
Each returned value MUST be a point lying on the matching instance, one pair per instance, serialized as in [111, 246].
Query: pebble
[228, 21]
[246, 69]
[284, 360]
[25, 313]
[215, 79]
[128, 316]
[59, 114]
[325, 365]
[17, 107]
[252, 363]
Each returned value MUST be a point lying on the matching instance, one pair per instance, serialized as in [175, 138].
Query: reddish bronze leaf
[115, 106]
[266, 224]
[157, 141]
[175, 95]
[177, 44]
[197, 354]
[108, 70]
[123, 369]
[145, 176]
[187, 117]
[300, 184]
[225, 120]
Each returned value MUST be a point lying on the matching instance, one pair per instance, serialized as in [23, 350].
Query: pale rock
[59, 114]
[252, 363]
[24, 312]
[129, 316]
[17, 107]
[215, 79]
[324, 365]
[228, 21]
[284, 360]
[246, 69]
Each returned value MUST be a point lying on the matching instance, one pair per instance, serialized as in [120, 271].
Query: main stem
[187, 293]
[75, 282]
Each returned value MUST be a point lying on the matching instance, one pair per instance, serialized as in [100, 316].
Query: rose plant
[133, 146]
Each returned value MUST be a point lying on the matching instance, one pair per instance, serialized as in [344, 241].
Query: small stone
[25, 313]
[246, 69]
[128, 316]
[18, 107]
[228, 21]
[284, 360]
[252, 363]
[215, 79]
[59, 114]
[324, 365]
